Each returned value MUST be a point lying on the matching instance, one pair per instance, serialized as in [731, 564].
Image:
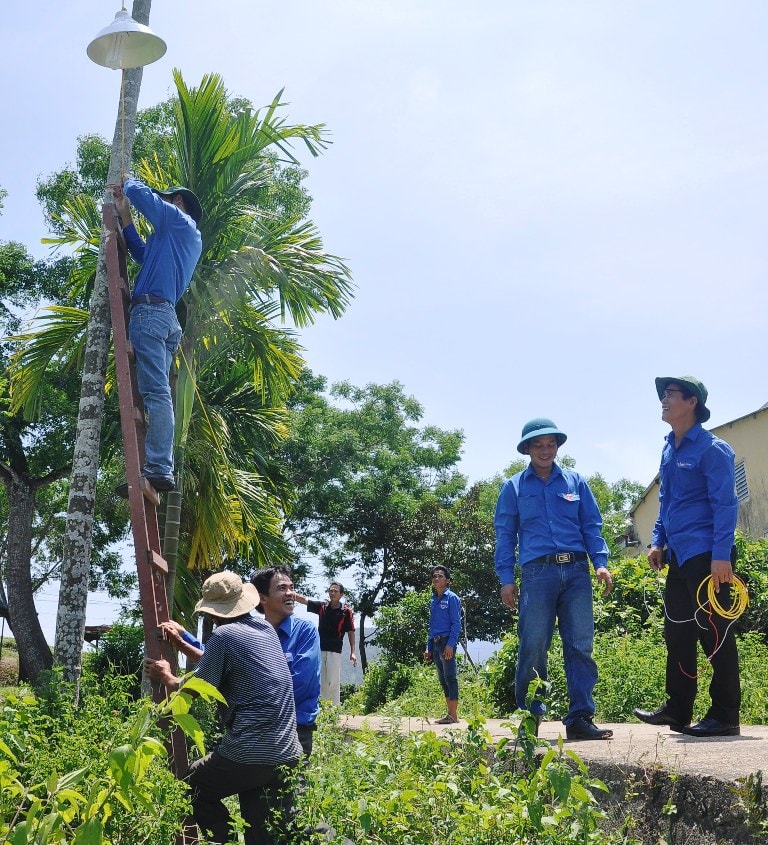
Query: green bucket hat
[540, 427]
[191, 202]
[696, 388]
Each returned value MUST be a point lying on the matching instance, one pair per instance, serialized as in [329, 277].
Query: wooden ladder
[142, 497]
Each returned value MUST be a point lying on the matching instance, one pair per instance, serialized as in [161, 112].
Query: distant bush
[401, 630]
[120, 652]
[9, 671]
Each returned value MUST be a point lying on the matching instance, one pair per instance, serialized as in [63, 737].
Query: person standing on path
[694, 534]
[168, 260]
[335, 620]
[444, 632]
[547, 520]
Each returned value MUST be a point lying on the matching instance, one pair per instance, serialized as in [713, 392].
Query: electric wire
[712, 607]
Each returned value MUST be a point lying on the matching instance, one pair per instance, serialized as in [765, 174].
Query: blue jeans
[446, 670]
[561, 591]
[155, 334]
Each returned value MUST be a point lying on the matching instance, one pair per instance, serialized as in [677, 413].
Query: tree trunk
[182, 382]
[73, 594]
[361, 644]
[368, 607]
[34, 654]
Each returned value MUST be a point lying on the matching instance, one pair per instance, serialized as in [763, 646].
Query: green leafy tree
[35, 458]
[362, 469]
[263, 264]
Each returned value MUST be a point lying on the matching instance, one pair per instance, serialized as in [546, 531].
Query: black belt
[560, 557]
[440, 638]
[148, 299]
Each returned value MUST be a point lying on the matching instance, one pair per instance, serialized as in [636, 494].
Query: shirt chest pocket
[687, 475]
[529, 509]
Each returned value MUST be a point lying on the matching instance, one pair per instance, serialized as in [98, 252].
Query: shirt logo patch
[444, 604]
[570, 497]
[683, 464]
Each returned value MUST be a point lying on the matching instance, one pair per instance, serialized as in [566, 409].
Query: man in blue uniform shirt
[694, 534]
[300, 642]
[444, 632]
[168, 260]
[550, 516]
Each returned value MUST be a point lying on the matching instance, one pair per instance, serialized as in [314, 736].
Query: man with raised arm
[335, 620]
[168, 260]
[244, 661]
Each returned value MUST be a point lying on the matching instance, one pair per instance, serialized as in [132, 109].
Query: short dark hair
[337, 584]
[262, 578]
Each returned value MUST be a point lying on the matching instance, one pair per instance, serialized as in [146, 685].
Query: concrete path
[726, 758]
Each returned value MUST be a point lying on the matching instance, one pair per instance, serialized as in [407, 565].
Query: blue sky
[544, 204]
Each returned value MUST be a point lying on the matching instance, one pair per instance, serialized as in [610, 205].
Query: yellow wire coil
[740, 600]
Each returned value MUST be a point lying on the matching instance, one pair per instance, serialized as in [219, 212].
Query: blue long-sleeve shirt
[170, 254]
[546, 517]
[698, 508]
[301, 645]
[445, 618]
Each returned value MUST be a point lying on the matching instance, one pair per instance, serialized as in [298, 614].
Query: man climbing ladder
[168, 260]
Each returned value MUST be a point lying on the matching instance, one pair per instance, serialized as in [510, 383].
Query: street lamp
[125, 43]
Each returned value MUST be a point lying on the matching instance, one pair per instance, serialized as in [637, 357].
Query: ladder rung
[150, 494]
[158, 561]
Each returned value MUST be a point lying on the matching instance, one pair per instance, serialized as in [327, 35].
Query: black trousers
[685, 625]
[266, 800]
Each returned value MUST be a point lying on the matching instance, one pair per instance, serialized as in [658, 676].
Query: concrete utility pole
[75, 567]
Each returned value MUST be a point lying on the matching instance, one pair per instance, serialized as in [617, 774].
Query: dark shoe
[659, 716]
[711, 727]
[163, 483]
[585, 728]
[446, 720]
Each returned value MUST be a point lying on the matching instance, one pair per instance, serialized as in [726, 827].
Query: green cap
[695, 386]
[540, 427]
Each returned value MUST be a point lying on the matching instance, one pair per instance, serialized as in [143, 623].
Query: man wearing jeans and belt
[168, 260]
[550, 516]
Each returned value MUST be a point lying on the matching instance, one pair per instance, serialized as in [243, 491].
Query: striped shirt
[244, 661]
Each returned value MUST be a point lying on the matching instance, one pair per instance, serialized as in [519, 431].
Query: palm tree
[238, 361]
[255, 268]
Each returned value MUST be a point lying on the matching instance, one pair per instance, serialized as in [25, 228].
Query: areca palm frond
[221, 157]
[80, 229]
[61, 339]
[308, 281]
[233, 436]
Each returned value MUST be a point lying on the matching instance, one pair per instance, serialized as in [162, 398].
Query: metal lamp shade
[125, 44]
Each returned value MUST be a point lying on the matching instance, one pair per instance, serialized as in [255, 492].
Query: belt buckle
[563, 557]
